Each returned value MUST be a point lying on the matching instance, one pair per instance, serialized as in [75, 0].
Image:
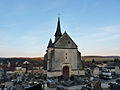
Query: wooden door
[66, 72]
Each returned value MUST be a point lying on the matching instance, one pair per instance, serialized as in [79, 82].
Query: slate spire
[58, 33]
[50, 44]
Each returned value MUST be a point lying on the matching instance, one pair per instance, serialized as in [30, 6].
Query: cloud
[110, 32]
[111, 29]
[29, 40]
[7, 51]
[107, 33]
[8, 25]
[109, 38]
[100, 41]
[11, 25]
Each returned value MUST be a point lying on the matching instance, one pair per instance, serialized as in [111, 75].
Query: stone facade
[62, 57]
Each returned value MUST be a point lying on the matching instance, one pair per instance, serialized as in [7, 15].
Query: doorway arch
[66, 72]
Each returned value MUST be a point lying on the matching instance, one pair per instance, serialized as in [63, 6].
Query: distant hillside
[99, 58]
[20, 60]
[37, 58]
[32, 58]
[40, 60]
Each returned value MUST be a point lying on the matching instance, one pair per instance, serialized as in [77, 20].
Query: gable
[65, 42]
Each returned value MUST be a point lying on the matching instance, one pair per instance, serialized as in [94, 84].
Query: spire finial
[59, 15]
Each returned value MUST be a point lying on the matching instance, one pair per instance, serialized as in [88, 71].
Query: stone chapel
[62, 57]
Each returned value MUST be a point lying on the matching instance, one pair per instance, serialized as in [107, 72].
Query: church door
[66, 72]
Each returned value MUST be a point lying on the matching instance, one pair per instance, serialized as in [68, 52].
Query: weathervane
[59, 14]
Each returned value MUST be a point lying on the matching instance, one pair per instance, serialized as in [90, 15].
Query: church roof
[50, 44]
[62, 40]
[58, 31]
[65, 41]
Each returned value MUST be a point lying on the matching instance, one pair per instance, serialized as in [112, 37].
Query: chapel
[62, 57]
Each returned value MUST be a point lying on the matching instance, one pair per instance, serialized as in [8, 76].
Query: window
[68, 42]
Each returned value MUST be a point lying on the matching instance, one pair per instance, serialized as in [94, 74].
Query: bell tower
[58, 33]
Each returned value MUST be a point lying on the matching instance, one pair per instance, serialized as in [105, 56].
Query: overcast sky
[27, 25]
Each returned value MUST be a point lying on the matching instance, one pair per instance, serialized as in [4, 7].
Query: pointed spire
[50, 44]
[58, 31]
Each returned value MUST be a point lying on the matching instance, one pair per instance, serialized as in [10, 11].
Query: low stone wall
[53, 74]
[78, 72]
[82, 72]
[74, 72]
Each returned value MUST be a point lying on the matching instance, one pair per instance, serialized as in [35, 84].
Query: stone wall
[54, 74]
[75, 72]
[78, 72]
[65, 56]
